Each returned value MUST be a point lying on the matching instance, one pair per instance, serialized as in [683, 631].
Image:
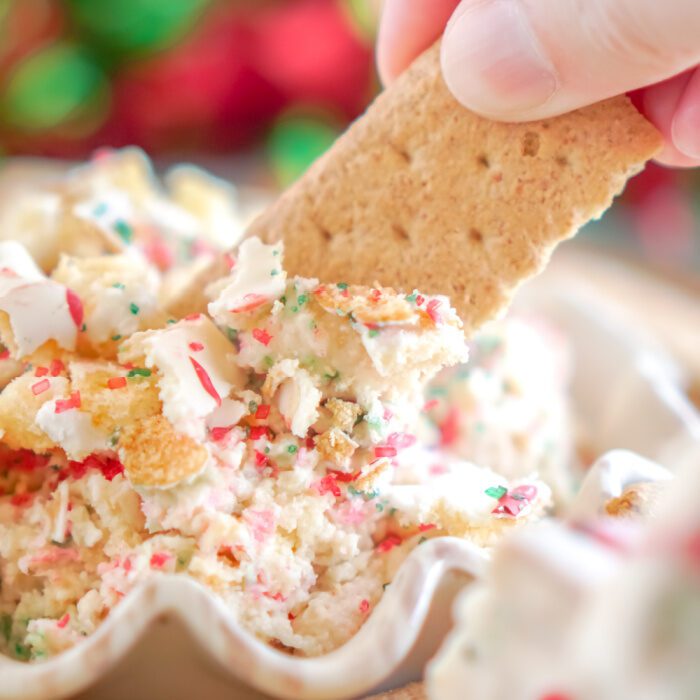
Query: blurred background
[253, 90]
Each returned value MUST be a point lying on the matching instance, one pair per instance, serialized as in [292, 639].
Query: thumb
[530, 59]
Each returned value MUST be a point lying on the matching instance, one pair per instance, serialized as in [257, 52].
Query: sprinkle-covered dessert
[266, 449]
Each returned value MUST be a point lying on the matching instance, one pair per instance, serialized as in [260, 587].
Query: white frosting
[107, 210]
[252, 278]
[14, 256]
[173, 351]
[73, 430]
[38, 311]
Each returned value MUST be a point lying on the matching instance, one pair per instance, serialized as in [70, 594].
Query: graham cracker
[414, 691]
[422, 193]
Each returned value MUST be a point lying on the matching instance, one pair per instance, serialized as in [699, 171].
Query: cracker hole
[562, 161]
[401, 152]
[476, 236]
[325, 233]
[531, 144]
[401, 233]
[483, 161]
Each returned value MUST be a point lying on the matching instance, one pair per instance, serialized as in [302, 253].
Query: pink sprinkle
[438, 469]
[56, 367]
[205, 381]
[193, 317]
[40, 387]
[384, 451]
[364, 606]
[63, 405]
[527, 491]
[375, 295]
[401, 440]
[430, 405]
[158, 252]
[263, 411]
[218, 434]
[261, 522]
[5, 354]
[388, 543]
[433, 310]
[116, 382]
[275, 596]
[196, 347]
[262, 336]
[159, 559]
[41, 371]
[251, 301]
[388, 415]
[63, 621]
[507, 505]
[75, 307]
[229, 260]
[258, 431]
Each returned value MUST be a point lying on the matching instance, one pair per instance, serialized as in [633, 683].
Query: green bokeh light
[134, 26]
[58, 84]
[295, 142]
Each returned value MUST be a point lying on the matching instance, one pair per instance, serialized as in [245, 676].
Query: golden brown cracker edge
[422, 193]
[414, 691]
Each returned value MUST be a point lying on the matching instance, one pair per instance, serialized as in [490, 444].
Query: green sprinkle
[274, 273]
[380, 507]
[139, 372]
[252, 406]
[342, 285]
[275, 252]
[116, 337]
[422, 539]
[302, 299]
[292, 449]
[22, 652]
[100, 209]
[437, 391]
[267, 450]
[480, 427]
[496, 491]
[385, 586]
[373, 333]
[170, 321]
[114, 440]
[295, 309]
[118, 285]
[55, 467]
[412, 297]
[392, 512]
[83, 328]
[125, 231]
[283, 299]
[133, 308]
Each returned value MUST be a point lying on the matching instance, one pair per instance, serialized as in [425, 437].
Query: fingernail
[685, 131]
[493, 62]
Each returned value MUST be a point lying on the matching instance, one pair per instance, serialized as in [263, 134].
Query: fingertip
[685, 125]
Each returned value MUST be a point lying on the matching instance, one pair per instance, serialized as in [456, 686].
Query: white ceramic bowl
[171, 637]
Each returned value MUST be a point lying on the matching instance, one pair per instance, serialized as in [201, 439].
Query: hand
[516, 60]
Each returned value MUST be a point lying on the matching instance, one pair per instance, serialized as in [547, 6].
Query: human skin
[518, 60]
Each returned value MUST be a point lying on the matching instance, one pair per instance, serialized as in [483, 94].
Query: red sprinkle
[433, 310]
[275, 596]
[56, 367]
[364, 606]
[449, 428]
[258, 431]
[320, 289]
[21, 499]
[159, 559]
[63, 405]
[291, 616]
[41, 371]
[262, 336]
[63, 621]
[251, 301]
[5, 354]
[556, 696]
[205, 380]
[424, 527]
[309, 443]
[507, 505]
[328, 485]
[192, 317]
[384, 451]
[116, 382]
[419, 299]
[375, 295]
[196, 347]
[344, 477]
[109, 466]
[218, 434]
[263, 411]
[40, 387]
[388, 543]
[75, 306]
[260, 459]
